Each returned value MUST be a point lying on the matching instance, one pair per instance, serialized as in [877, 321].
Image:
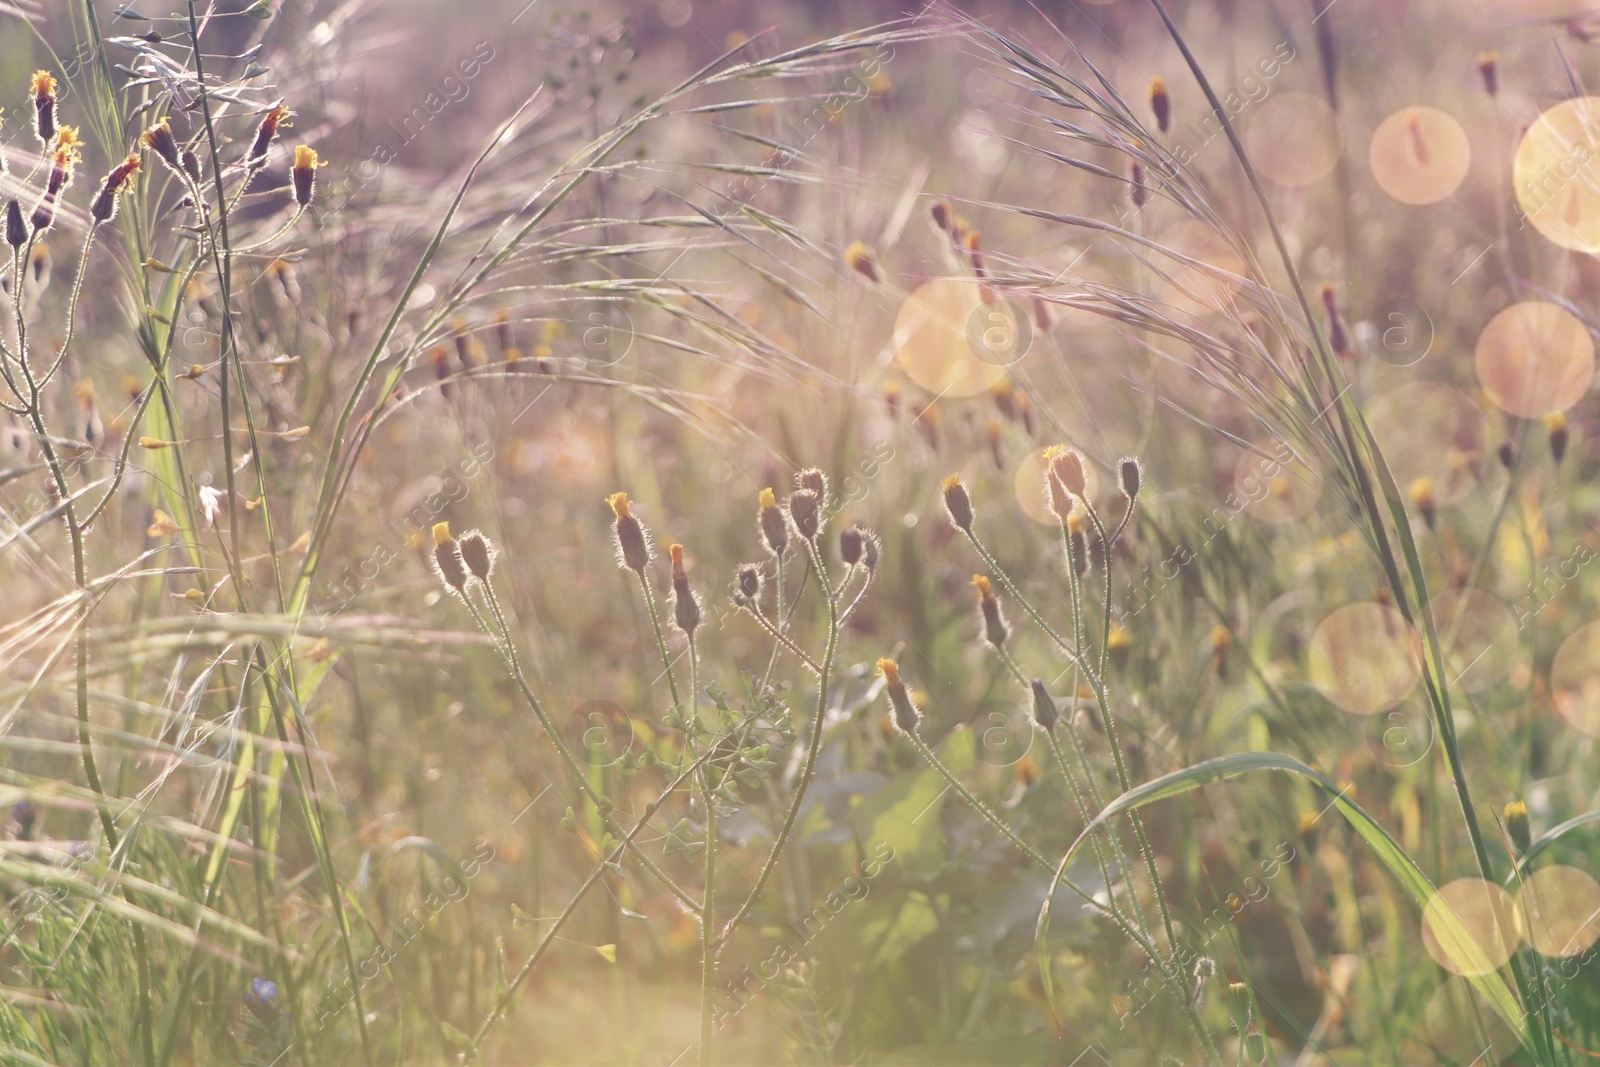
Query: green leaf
[1443, 922]
[914, 921]
[905, 814]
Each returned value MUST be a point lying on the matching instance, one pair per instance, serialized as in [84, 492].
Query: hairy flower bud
[104, 207]
[806, 511]
[447, 560]
[958, 503]
[305, 174]
[850, 545]
[994, 625]
[1044, 708]
[906, 716]
[633, 540]
[477, 553]
[685, 606]
[774, 530]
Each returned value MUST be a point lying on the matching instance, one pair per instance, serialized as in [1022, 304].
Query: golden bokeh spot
[1534, 358]
[1363, 658]
[1561, 906]
[1575, 679]
[1419, 155]
[1293, 138]
[1555, 177]
[931, 343]
[1471, 927]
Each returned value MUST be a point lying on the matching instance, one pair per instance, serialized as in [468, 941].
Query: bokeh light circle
[1534, 358]
[930, 339]
[1555, 175]
[1479, 634]
[1293, 138]
[1431, 431]
[1471, 927]
[1561, 906]
[1575, 679]
[1419, 155]
[1363, 658]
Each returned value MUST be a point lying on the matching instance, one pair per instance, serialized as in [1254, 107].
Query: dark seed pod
[1044, 708]
[806, 511]
[1506, 454]
[1486, 70]
[477, 553]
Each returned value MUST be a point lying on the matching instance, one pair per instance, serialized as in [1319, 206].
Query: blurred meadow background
[786, 533]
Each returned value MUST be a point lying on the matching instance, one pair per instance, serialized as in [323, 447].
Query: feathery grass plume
[1555, 428]
[1044, 707]
[159, 139]
[905, 714]
[774, 530]
[1160, 103]
[16, 225]
[305, 174]
[1423, 499]
[995, 630]
[1487, 70]
[104, 207]
[861, 259]
[43, 88]
[806, 511]
[1119, 645]
[1077, 544]
[685, 605]
[478, 553]
[447, 560]
[1517, 828]
[64, 158]
[1131, 476]
[1338, 340]
[957, 502]
[633, 540]
[266, 133]
[850, 545]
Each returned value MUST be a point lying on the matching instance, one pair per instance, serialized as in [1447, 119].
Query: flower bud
[477, 553]
[633, 541]
[1516, 815]
[43, 88]
[1077, 545]
[850, 545]
[861, 260]
[806, 511]
[1131, 476]
[1555, 425]
[305, 174]
[266, 133]
[104, 207]
[994, 625]
[957, 503]
[774, 530]
[685, 606]
[16, 225]
[1423, 500]
[749, 582]
[871, 547]
[813, 479]
[1486, 70]
[1160, 103]
[159, 140]
[447, 560]
[906, 716]
[1044, 708]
